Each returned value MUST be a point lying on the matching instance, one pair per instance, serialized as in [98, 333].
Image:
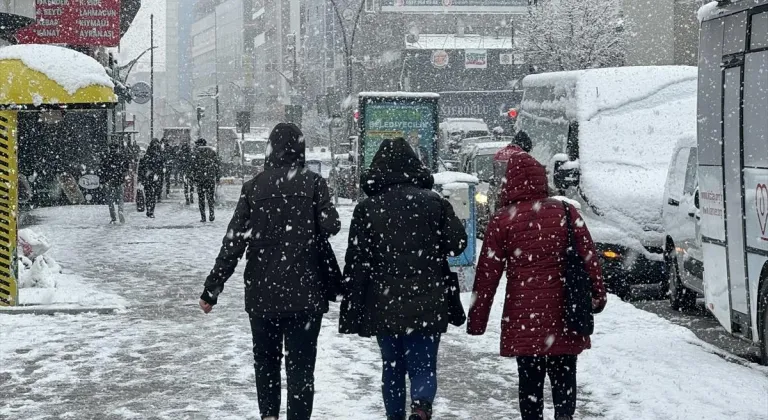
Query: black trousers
[300, 336]
[150, 196]
[205, 192]
[562, 375]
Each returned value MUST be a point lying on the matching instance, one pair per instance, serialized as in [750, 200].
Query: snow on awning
[40, 75]
[454, 42]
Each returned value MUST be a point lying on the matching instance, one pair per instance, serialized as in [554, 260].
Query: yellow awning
[24, 88]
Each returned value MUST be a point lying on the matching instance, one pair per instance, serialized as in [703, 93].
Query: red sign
[74, 22]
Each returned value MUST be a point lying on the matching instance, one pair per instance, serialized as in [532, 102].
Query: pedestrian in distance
[151, 175]
[206, 171]
[396, 284]
[186, 158]
[529, 240]
[169, 162]
[112, 172]
[283, 218]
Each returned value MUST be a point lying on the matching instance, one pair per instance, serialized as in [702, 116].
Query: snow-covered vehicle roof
[68, 68]
[422, 95]
[629, 121]
[490, 148]
[464, 124]
[449, 177]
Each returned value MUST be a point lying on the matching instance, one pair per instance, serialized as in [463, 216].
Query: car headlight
[481, 198]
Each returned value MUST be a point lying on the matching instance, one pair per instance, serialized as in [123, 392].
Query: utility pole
[217, 118]
[152, 77]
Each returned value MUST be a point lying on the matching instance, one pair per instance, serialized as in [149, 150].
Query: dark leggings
[562, 375]
[300, 336]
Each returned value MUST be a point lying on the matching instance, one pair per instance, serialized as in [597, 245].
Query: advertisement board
[387, 117]
[476, 59]
[456, 6]
[74, 22]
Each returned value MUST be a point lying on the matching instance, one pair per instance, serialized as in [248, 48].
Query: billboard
[74, 22]
[415, 120]
[457, 6]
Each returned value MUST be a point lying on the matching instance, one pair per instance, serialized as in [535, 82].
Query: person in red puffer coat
[528, 238]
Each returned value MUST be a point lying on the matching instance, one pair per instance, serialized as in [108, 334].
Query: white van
[733, 165]
[682, 253]
[606, 137]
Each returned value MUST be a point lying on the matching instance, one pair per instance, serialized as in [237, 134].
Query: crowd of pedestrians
[397, 285]
[161, 165]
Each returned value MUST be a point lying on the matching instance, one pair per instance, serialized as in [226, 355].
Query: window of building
[370, 6]
[759, 33]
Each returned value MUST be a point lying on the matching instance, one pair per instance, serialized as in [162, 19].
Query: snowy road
[163, 359]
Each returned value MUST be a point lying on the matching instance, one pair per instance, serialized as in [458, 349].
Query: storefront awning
[47, 76]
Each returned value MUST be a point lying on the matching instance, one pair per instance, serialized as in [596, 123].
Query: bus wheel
[680, 298]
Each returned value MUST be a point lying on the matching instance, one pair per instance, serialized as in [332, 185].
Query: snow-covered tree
[559, 35]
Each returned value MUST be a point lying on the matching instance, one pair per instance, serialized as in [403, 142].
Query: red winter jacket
[528, 238]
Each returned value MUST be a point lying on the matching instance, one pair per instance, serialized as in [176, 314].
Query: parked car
[606, 137]
[453, 131]
[682, 224]
[477, 160]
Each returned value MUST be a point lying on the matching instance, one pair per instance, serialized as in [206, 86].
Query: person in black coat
[206, 171]
[186, 158]
[283, 220]
[396, 287]
[151, 175]
[112, 173]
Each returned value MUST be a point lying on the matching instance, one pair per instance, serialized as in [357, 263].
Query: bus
[733, 165]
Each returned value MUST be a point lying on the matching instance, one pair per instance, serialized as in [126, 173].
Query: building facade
[411, 45]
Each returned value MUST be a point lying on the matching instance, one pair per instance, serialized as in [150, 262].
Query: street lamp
[130, 65]
[349, 42]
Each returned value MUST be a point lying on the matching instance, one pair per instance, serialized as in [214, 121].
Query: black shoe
[420, 411]
[151, 216]
[202, 219]
[212, 218]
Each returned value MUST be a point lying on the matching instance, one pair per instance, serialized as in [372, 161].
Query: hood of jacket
[286, 147]
[395, 163]
[526, 179]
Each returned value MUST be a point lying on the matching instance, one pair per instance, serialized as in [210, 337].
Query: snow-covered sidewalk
[163, 358]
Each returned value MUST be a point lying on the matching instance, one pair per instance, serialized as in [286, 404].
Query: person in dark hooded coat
[395, 284]
[151, 175]
[206, 171]
[283, 216]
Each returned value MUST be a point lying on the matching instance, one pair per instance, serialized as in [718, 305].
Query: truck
[606, 137]
[732, 142]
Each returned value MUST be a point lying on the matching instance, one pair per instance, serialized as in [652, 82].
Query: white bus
[733, 165]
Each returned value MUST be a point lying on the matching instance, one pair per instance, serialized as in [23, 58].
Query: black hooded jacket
[114, 168]
[283, 215]
[151, 165]
[398, 242]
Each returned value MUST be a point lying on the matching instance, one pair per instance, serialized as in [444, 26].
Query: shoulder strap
[569, 226]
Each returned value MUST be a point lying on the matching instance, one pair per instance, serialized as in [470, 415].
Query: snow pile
[40, 273]
[32, 244]
[644, 367]
[42, 281]
[70, 69]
